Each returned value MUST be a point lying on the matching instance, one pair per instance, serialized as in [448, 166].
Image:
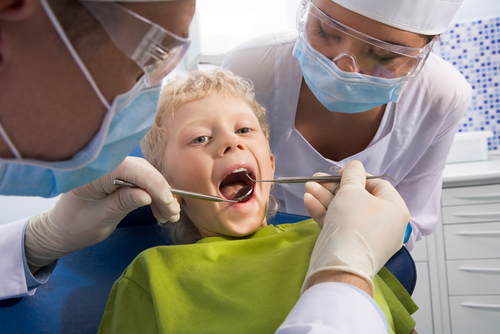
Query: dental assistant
[358, 81]
[75, 98]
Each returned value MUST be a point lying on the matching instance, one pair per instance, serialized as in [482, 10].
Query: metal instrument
[238, 196]
[326, 178]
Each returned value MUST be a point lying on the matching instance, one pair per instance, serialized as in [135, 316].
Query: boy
[236, 275]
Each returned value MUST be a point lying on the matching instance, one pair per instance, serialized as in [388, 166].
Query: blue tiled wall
[473, 48]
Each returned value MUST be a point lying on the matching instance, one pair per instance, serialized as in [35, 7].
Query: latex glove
[318, 197]
[363, 227]
[89, 214]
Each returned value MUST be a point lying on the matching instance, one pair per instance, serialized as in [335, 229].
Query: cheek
[172, 168]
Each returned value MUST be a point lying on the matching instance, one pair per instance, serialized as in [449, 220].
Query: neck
[335, 135]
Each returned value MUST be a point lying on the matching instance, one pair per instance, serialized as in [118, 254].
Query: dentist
[79, 86]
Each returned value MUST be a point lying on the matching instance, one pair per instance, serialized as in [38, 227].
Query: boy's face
[208, 142]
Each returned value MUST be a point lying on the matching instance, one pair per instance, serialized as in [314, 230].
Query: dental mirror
[243, 193]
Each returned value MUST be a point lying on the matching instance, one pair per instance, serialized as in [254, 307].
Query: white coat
[12, 278]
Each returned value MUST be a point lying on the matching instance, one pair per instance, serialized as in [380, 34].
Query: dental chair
[74, 298]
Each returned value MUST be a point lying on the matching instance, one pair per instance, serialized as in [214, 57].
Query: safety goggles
[364, 54]
[156, 50]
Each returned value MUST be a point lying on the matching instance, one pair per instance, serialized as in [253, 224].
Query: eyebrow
[194, 122]
[185, 34]
[331, 22]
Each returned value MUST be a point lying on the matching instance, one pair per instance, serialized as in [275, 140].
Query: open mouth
[234, 181]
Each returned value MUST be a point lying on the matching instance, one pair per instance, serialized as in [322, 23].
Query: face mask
[346, 92]
[127, 120]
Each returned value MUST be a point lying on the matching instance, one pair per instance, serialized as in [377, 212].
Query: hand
[363, 227]
[317, 198]
[89, 214]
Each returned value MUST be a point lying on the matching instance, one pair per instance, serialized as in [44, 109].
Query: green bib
[229, 285]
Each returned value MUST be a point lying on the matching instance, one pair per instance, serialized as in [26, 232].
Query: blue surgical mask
[340, 91]
[128, 119]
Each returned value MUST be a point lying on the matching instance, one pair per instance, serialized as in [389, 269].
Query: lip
[229, 171]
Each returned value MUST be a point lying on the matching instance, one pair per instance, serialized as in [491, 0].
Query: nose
[232, 143]
[346, 61]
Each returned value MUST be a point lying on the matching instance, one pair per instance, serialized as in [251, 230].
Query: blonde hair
[195, 86]
[183, 89]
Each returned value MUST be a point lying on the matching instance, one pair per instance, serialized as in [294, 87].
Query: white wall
[476, 9]
[13, 208]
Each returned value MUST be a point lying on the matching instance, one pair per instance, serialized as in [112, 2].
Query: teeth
[239, 170]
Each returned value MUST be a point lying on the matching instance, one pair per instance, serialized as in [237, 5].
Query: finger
[315, 209]
[330, 186]
[120, 203]
[323, 195]
[173, 216]
[145, 176]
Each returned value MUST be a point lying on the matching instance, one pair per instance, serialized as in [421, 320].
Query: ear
[271, 156]
[15, 10]
[179, 199]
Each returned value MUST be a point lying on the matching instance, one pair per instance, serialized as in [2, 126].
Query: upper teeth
[240, 170]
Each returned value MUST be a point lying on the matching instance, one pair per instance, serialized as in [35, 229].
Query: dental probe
[238, 196]
[304, 179]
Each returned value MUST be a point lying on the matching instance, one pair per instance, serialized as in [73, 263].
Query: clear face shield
[353, 51]
[156, 50]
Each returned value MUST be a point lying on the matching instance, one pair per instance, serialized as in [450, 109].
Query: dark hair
[428, 38]
[78, 23]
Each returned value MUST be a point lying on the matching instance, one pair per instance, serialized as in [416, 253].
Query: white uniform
[335, 308]
[411, 144]
[16, 279]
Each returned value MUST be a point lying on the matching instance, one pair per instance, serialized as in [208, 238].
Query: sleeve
[130, 309]
[41, 276]
[421, 187]
[255, 60]
[334, 308]
[16, 279]
[13, 279]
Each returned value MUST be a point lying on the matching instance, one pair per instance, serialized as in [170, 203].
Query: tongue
[229, 190]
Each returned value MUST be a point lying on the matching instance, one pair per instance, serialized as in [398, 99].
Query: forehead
[216, 109]
[368, 26]
[175, 16]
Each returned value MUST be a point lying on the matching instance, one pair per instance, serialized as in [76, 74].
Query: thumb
[353, 174]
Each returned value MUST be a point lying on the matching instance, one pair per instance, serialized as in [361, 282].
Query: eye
[382, 60]
[200, 139]
[326, 36]
[381, 56]
[243, 130]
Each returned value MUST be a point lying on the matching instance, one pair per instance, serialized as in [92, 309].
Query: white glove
[89, 214]
[318, 197]
[362, 228]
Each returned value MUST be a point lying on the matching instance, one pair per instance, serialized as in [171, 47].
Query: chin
[243, 229]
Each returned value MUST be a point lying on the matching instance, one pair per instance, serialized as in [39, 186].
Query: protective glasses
[156, 50]
[361, 53]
